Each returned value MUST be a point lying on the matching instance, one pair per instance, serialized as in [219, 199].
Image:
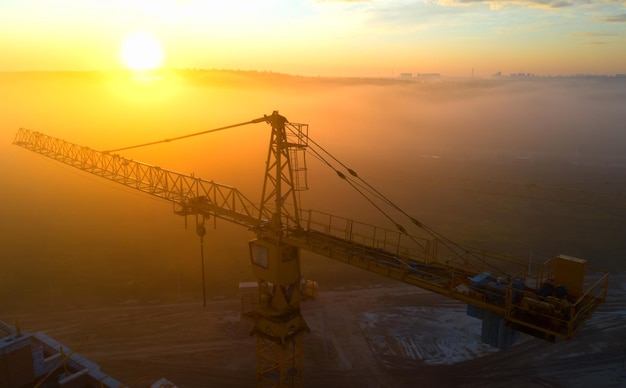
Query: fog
[532, 167]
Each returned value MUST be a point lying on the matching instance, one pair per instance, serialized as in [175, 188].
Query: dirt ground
[378, 336]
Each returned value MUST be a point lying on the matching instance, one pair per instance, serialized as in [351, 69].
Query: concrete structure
[29, 359]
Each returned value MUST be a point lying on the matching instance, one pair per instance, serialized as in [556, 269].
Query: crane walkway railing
[432, 265]
[407, 251]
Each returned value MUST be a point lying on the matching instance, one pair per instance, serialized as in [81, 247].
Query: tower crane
[552, 302]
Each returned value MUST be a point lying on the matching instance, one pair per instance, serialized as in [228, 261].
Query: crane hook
[200, 229]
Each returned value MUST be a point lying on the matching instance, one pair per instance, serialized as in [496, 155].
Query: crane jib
[183, 190]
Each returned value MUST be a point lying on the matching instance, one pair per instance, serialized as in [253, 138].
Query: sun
[141, 51]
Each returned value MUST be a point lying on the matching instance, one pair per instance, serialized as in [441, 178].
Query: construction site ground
[115, 275]
[379, 336]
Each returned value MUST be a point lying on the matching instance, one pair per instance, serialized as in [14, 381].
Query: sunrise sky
[326, 38]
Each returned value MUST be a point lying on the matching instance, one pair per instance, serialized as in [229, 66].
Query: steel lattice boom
[191, 195]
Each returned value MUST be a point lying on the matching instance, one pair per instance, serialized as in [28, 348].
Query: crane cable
[368, 188]
[446, 241]
[353, 173]
[186, 136]
[454, 247]
[354, 186]
[372, 190]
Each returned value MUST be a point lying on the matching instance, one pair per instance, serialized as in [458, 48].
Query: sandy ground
[381, 336]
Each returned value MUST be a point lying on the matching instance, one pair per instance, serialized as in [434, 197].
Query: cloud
[560, 4]
[593, 34]
[413, 16]
[593, 38]
[621, 18]
[499, 4]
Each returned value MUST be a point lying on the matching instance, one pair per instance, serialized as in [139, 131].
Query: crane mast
[553, 300]
[276, 265]
[280, 184]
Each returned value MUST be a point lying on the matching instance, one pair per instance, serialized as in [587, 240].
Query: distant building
[419, 75]
[428, 75]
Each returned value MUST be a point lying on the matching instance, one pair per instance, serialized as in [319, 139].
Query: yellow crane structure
[552, 301]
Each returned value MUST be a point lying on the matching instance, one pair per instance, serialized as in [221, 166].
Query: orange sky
[328, 38]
